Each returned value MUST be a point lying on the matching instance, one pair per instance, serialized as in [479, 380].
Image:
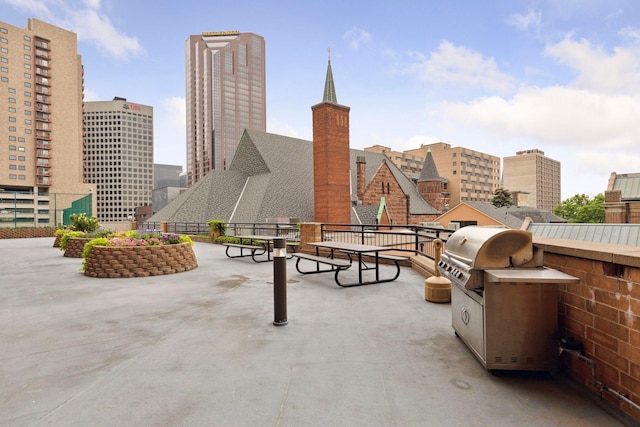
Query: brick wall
[331, 164]
[384, 184]
[431, 192]
[602, 312]
[24, 233]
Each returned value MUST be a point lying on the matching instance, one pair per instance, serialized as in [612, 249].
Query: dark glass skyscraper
[225, 94]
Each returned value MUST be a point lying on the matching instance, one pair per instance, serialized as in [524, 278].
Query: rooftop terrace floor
[200, 349]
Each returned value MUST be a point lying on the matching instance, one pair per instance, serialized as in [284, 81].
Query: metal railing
[405, 238]
[179, 227]
[290, 231]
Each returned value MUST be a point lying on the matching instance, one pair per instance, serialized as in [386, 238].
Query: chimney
[361, 176]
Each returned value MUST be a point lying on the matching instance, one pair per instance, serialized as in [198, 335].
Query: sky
[496, 76]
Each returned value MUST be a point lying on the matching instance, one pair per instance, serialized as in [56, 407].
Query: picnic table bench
[366, 257]
[258, 245]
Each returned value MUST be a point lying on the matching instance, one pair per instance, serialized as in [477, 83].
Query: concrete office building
[225, 94]
[119, 156]
[469, 175]
[41, 92]
[529, 171]
[166, 175]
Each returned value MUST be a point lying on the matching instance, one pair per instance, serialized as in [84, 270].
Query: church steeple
[329, 87]
[331, 158]
[429, 170]
[431, 186]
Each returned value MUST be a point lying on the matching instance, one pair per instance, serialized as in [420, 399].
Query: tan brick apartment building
[531, 172]
[41, 88]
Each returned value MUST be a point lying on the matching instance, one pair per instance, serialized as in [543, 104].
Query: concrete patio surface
[199, 349]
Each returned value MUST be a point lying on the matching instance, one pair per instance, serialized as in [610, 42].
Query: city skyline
[497, 77]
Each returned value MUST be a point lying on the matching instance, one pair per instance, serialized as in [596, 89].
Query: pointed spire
[429, 170]
[329, 88]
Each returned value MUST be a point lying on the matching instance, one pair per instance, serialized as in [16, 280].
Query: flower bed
[135, 254]
[139, 261]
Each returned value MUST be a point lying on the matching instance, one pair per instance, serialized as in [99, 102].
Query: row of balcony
[43, 171]
[44, 72]
[44, 180]
[43, 90]
[43, 99]
[41, 143]
[42, 44]
[43, 135]
[43, 113]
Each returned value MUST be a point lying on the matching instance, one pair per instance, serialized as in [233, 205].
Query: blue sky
[497, 76]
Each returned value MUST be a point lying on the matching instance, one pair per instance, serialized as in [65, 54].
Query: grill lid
[490, 247]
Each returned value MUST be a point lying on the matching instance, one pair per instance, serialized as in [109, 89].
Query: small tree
[582, 209]
[80, 222]
[501, 198]
[217, 228]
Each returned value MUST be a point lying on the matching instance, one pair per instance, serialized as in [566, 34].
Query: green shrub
[99, 241]
[217, 227]
[230, 239]
[68, 235]
[80, 222]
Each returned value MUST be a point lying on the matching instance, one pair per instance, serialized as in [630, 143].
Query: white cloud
[556, 114]
[532, 20]
[618, 72]
[97, 28]
[457, 65]
[85, 19]
[357, 37]
[38, 8]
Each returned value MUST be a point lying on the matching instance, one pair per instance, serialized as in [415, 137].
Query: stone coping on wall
[616, 254]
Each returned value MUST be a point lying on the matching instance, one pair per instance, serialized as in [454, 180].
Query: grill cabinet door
[468, 319]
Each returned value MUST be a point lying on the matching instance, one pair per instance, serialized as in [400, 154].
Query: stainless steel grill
[504, 302]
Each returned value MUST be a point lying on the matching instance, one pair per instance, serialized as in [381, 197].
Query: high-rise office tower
[225, 94]
[119, 156]
[529, 171]
[41, 91]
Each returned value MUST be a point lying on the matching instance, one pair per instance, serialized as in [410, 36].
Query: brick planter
[75, 246]
[139, 261]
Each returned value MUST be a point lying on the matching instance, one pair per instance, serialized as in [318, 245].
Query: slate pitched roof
[618, 234]
[514, 216]
[628, 184]
[429, 170]
[270, 176]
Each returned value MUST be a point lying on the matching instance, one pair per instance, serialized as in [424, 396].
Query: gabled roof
[510, 216]
[270, 176]
[417, 205]
[628, 184]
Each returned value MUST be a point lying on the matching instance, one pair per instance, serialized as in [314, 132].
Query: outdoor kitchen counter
[528, 275]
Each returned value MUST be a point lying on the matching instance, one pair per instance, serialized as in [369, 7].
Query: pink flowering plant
[134, 238]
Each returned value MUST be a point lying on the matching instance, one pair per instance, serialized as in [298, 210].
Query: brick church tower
[331, 158]
[431, 186]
